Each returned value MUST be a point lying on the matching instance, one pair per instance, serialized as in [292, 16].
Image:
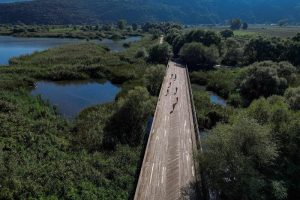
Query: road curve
[168, 170]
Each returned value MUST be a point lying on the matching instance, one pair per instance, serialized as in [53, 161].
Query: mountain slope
[187, 11]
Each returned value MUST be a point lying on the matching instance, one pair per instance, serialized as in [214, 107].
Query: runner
[167, 92]
[176, 91]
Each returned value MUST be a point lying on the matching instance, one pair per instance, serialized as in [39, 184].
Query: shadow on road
[189, 192]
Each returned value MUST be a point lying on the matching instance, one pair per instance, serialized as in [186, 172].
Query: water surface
[214, 98]
[217, 100]
[117, 45]
[72, 97]
[15, 46]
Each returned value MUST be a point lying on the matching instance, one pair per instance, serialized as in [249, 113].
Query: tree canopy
[198, 56]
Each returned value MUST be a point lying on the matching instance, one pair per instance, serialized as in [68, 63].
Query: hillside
[188, 11]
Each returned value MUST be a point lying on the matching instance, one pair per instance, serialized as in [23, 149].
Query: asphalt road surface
[168, 170]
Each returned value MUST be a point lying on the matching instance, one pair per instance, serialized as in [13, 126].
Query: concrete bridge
[168, 170]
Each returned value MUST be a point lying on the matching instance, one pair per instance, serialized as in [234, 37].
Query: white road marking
[151, 173]
[193, 172]
[163, 174]
[165, 133]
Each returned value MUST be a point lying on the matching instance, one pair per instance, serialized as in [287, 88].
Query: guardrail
[194, 114]
[203, 184]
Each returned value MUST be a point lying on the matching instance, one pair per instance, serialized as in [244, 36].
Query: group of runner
[176, 90]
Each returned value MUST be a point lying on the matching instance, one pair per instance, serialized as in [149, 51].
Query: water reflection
[72, 97]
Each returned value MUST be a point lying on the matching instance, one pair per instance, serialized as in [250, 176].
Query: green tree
[293, 53]
[122, 24]
[160, 53]
[292, 96]
[135, 26]
[235, 157]
[261, 49]
[296, 38]
[235, 24]
[142, 53]
[128, 124]
[153, 78]
[227, 33]
[245, 26]
[266, 79]
[207, 38]
[234, 53]
[199, 56]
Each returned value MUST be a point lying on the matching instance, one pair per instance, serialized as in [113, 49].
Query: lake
[72, 97]
[15, 46]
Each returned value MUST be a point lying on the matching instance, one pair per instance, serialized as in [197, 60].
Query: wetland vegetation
[251, 144]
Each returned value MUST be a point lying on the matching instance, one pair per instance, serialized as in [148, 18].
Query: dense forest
[187, 12]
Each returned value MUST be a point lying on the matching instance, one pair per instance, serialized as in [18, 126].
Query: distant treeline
[187, 12]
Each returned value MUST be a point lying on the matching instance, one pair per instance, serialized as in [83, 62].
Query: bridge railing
[202, 182]
[194, 114]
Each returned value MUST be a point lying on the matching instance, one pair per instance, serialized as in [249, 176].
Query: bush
[142, 53]
[198, 56]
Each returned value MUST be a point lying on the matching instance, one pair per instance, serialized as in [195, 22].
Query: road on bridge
[168, 170]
